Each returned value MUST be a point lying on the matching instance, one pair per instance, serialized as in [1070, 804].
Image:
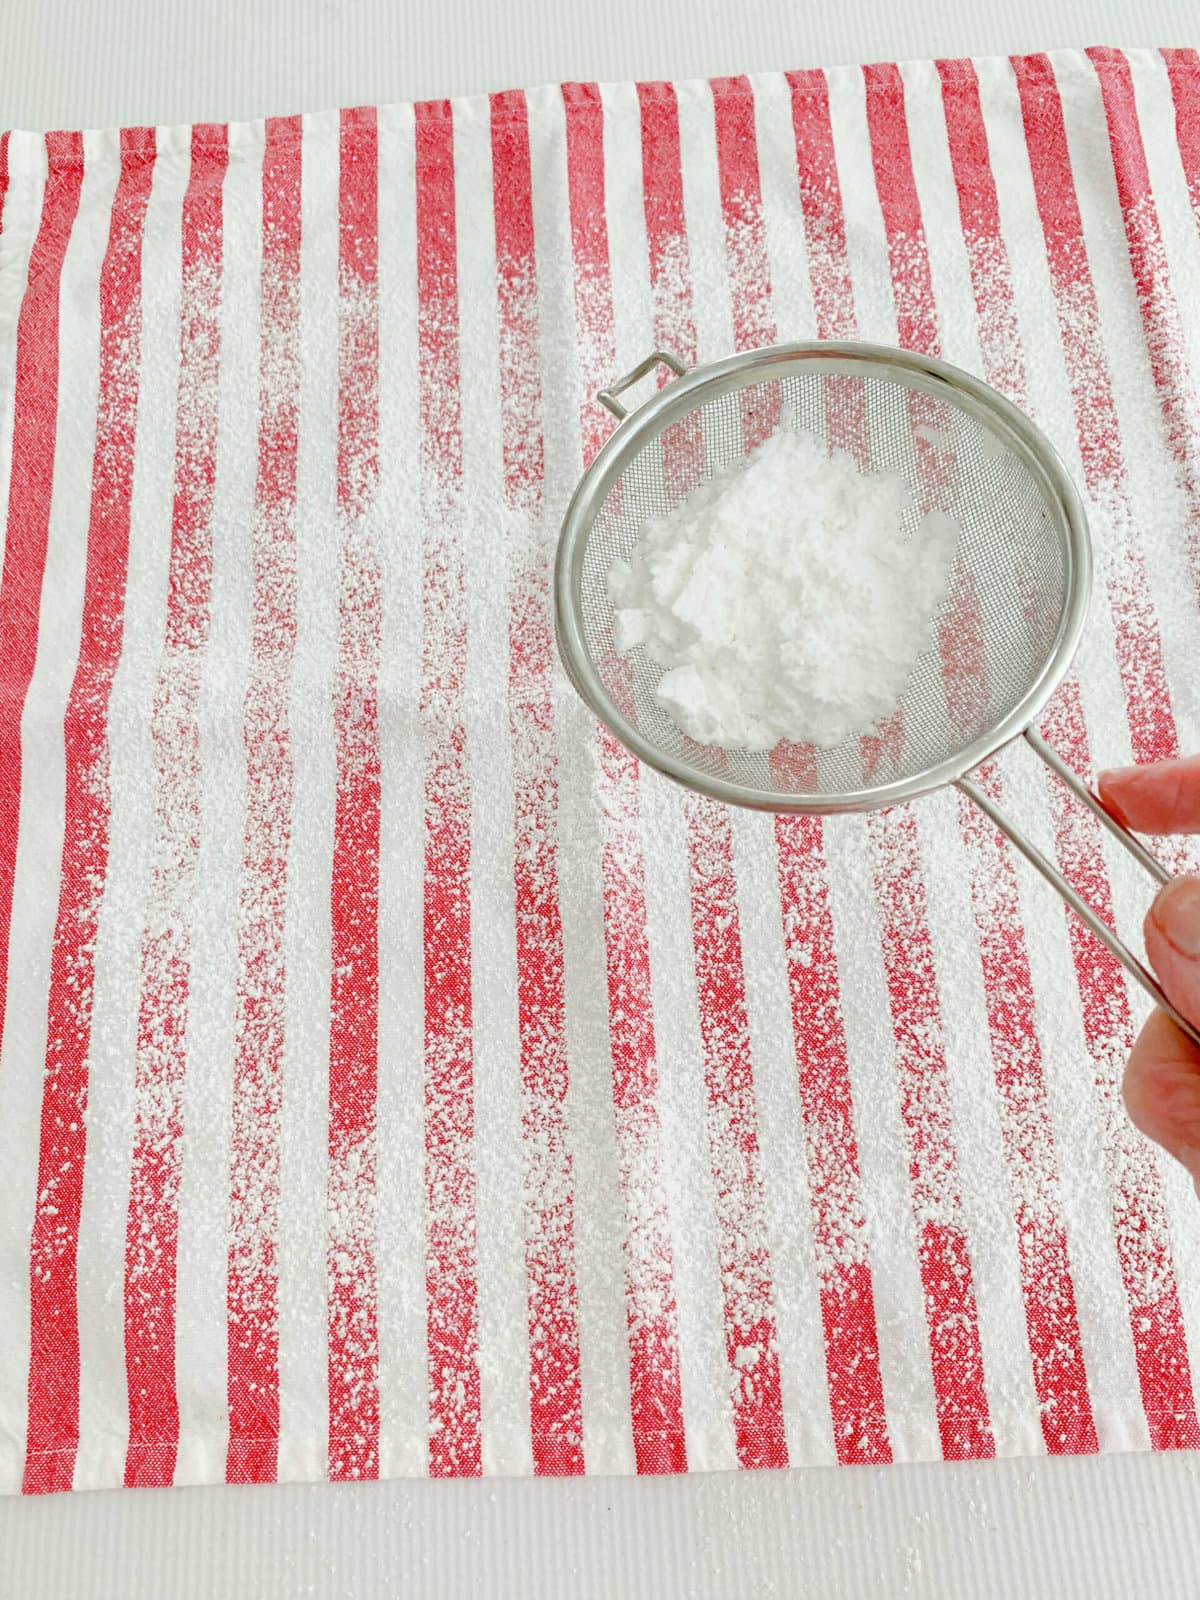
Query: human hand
[1162, 1078]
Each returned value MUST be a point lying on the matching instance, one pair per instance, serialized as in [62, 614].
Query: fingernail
[1176, 915]
[1103, 781]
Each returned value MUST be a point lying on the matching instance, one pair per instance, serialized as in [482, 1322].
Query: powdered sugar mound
[783, 597]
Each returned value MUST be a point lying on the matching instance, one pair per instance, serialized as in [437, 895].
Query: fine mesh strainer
[1003, 638]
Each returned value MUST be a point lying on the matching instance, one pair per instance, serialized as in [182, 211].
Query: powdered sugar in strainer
[1007, 629]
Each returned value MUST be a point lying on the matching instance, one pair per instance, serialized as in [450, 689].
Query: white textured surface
[94, 63]
[1117, 1525]
[1081, 1529]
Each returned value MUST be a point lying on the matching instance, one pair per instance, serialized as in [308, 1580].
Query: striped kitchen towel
[394, 1077]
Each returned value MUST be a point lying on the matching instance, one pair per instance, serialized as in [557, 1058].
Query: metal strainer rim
[686, 393]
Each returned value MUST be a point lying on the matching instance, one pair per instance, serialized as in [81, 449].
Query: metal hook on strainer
[1019, 590]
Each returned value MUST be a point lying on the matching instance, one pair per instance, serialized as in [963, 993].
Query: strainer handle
[658, 358]
[1086, 913]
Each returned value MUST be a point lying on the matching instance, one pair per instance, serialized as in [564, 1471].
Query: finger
[1162, 1090]
[1162, 1080]
[1160, 797]
[1172, 934]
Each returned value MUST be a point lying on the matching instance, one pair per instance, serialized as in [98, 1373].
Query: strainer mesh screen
[993, 633]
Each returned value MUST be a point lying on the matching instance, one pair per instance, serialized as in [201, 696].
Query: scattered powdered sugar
[784, 598]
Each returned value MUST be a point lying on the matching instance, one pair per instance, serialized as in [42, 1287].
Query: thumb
[1172, 933]
[1162, 1080]
[1162, 1090]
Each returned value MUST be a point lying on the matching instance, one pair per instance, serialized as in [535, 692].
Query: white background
[1125, 1525]
[96, 63]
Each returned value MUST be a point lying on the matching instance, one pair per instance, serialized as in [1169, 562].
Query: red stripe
[252, 1291]
[152, 1224]
[851, 1340]
[1139, 651]
[1161, 321]
[828, 261]
[912, 284]
[354, 990]
[751, 1341]
[856, 1399]
[455, 1446]
[957, 1358]
[750, 1328]
[1060, 1377]
[979, 211]
[741, 207]
[589, 245]
[912, 289]
[745, 243]
[750, 1331]
[944, 1259]
[655, 1385]
[655, 1379]
[1144, 1250]
[555, 1396]
[1047, 1288]
[670, 271]
[31, 474]
[847, 1294]
[847, 1300]
[1183, 72]
[821, 205]
[54, 1361]
[3, 174]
